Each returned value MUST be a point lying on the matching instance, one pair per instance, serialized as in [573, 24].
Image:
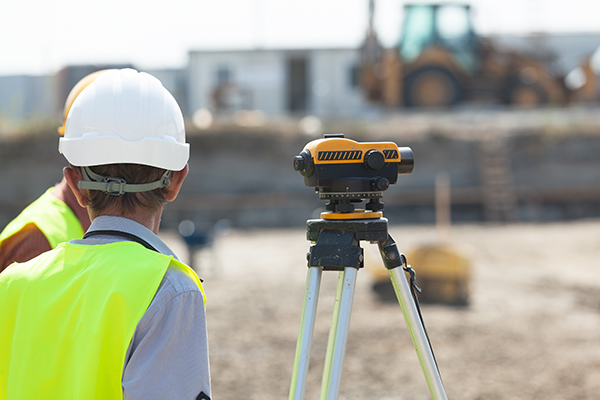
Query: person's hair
[152, 200]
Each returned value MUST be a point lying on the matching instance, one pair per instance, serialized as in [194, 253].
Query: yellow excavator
[440, 61]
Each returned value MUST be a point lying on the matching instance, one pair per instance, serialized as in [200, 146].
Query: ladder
[499, 195]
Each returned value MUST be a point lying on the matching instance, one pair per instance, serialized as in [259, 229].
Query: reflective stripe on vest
[69, 315]
[52, 216]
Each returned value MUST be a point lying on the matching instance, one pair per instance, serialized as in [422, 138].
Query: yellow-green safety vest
[52, 216]
[68, 317]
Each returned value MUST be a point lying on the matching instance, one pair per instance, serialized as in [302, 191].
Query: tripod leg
[307, 325]
[338, 335]
[416, 328]
[418, 334]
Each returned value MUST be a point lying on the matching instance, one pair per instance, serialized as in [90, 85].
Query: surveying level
[345, 172]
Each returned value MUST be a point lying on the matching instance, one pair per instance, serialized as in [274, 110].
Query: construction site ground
[531, 330]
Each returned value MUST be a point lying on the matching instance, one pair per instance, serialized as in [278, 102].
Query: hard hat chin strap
[118, 186]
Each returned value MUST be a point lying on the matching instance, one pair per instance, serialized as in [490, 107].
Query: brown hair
[99, 201]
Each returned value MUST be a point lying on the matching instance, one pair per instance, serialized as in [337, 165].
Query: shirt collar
[108, 222]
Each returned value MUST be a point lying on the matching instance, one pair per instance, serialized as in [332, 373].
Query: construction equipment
[440, 61]
[444, 271]
[345, 172]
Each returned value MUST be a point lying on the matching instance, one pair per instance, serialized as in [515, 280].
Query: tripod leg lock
[392, 258]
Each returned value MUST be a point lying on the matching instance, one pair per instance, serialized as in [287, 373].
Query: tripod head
[345, 172]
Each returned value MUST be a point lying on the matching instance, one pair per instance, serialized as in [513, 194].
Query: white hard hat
[125, 116]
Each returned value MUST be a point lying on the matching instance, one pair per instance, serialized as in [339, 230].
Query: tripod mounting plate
[357, 214]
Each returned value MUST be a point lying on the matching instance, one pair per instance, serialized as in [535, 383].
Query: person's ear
[176, 181]
[73, 176]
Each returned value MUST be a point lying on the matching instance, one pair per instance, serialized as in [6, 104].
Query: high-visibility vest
[52, 216]
[68, 317]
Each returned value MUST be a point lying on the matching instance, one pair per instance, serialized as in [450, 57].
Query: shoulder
[23, 245]
[177, 302]
[176, 282]
[177, 291]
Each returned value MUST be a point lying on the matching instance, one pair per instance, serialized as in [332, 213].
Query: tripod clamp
[337, 242]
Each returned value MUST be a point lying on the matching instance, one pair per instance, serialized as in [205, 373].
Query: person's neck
[63, 192]
[147, 218]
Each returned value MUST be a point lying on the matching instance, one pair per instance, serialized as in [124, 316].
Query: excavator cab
[447, 26]
[440, 52]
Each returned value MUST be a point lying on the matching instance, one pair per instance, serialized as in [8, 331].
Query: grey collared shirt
[168, 355]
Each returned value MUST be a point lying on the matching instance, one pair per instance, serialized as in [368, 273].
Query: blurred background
[502, 97]
[500, 102]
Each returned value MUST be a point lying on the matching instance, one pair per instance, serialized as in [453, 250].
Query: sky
[40, 36]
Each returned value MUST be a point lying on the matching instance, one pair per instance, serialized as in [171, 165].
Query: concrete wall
[248, 178]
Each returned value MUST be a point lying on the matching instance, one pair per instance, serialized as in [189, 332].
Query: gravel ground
[531, 331]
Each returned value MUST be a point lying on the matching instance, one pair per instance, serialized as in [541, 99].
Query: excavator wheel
[431, 87]
[525, 95]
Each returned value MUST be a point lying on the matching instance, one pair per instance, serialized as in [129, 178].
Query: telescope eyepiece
[299, 163]
[303, 163]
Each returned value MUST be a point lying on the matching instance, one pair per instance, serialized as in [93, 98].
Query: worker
[113, 315]
[53, 218]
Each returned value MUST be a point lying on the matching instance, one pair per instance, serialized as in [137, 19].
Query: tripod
[336, 247]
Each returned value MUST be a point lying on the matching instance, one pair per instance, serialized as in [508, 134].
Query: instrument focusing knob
[383, 184]
[374, 160]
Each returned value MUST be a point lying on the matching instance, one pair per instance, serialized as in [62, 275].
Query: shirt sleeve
[168, 355]
[24, 245]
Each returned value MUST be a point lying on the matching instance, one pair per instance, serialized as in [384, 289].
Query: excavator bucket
[443, 274]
